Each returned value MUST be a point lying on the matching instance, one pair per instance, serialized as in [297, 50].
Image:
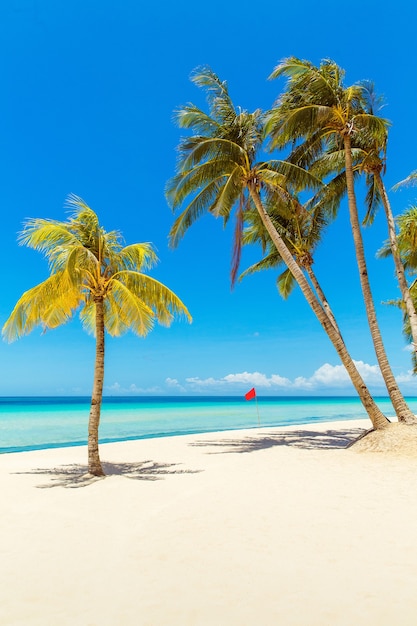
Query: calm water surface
[38, 423]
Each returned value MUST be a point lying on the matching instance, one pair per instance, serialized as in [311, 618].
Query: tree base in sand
[396, 439]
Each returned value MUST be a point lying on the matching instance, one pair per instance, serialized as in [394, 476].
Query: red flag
[251, 394]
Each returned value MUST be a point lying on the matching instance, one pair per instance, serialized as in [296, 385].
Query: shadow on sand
[307, 439]
[76, 475]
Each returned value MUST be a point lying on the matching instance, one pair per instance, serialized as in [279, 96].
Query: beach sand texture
[258, 527]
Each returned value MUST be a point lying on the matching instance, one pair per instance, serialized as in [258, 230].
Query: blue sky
[88, 91]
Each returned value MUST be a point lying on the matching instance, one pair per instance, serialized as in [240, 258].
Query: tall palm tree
[91, 272]
[371, 158]
[217, 172]
[317, 107]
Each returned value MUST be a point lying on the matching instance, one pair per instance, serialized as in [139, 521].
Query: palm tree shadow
[305, 439]
[76, 474]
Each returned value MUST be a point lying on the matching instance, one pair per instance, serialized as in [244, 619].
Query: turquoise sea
[35, 423]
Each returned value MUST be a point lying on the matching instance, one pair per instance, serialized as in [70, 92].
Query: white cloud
[174, 384]
[370, 373]
[326, 377]
[258, 379]
[302, 383]
[336, 376]
[114, 387]
[203, 382]
[406, 378]
[117, 388]
[243, 378]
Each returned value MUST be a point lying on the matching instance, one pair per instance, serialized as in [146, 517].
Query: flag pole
[257, 408]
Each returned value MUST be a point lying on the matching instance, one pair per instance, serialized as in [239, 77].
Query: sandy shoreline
[269, 526]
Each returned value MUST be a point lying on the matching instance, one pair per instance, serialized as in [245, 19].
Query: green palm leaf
[202, 202]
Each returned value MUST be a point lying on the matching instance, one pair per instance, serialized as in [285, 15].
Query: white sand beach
[258, 527]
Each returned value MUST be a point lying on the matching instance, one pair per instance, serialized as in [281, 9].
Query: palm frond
[164, 302]
[220, 103]
[229, 194]
[125, 310]
[285, 283]
[88, 317]
[295, 176]
[190, 181]
[46, 236]
[201, 203]
[373, 200]
[329, 163]
[75, 202]
[269, 261]
[373, 102]
[285, 127]
[304, 80]
[137, 256]
[190, 116]
[374, 129]
[49, 304]
[306, 153]
[208, 149]
[410, 180]
[385, 251]
[237, 241]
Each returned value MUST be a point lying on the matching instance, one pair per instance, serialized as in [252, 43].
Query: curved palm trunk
[399, 267]
[94, 464]
[376, 416]
[401, 408]
[322, 297]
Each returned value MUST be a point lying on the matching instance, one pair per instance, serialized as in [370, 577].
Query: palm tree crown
[86, 263]
[217, 166]
[316, 105]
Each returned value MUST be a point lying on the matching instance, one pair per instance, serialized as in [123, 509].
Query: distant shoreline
[161, 398]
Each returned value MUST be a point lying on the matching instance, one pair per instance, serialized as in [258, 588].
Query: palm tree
[368, 158]
[92, 272]
[371, 157]
[217, 172]
[318, 107]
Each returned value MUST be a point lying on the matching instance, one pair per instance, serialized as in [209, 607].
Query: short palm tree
[91, 272]
[217, 172]
[317, 108]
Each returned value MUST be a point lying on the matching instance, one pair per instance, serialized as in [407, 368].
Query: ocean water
[34, 423]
